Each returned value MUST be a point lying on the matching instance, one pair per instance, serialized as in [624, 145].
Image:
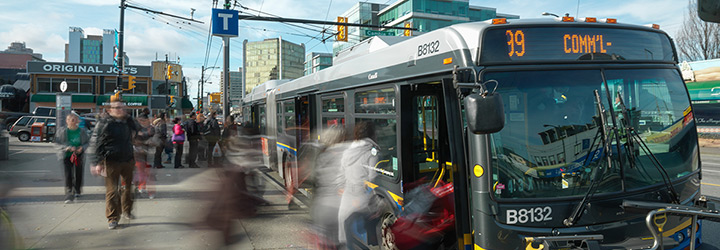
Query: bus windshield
[551, 144]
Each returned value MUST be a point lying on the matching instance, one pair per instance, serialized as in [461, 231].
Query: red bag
[415, 230]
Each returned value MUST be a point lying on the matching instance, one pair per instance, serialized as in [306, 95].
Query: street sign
[63, 86]
[379, 33]
[224, 22]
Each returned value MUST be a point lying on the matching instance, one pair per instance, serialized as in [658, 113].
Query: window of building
[43, 85]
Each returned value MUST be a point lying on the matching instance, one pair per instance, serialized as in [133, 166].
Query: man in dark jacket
[193, 137]
[111, 155]
[160, 125]
[212, 135]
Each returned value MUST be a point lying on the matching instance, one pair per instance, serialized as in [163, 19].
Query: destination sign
[574, 44]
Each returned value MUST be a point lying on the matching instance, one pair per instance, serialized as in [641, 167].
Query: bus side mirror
[709, 10]
[485, 114]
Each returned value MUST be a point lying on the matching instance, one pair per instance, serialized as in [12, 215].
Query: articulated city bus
[563, 132]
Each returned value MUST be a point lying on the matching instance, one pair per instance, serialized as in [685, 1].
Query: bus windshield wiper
[633, 136]
[597, 175]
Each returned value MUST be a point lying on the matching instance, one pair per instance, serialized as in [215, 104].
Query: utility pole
[121, 34]
[202, 88]
[167, 86]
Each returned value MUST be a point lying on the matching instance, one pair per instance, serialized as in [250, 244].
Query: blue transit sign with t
[224, 22]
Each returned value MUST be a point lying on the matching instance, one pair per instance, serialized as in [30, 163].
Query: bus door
[307, 145]
[424, 131]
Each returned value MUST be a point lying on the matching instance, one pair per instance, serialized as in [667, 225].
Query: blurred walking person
[357, 163]
[329, 183]
[212, 136]
[193, 137]
[112, 157]
[178, 139]
[141, 145]
[234, 198]
[160, 125]
[72, 142]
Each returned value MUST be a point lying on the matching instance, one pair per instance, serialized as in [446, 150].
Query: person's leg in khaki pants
[116, 172]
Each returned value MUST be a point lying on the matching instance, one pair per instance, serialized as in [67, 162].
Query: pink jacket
[178, 134]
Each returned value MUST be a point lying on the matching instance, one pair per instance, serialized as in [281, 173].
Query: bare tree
[697, 39]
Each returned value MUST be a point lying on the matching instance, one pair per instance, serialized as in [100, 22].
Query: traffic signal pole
[121, 33]
[167, 86]
[202, 89]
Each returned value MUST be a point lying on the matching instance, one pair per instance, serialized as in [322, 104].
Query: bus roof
[429, 53]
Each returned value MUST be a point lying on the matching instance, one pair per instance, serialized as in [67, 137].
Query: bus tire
[287, 173]
[384, 230]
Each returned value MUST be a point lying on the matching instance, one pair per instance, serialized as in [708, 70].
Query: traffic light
[341, 30]
[408, 32]
[169, 72]
[131, 82]
[200, 105]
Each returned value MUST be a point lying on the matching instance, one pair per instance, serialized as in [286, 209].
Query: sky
[44, 25]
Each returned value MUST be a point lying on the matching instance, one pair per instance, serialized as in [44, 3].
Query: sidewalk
[166, 222]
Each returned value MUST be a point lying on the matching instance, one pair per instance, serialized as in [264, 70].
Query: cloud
[38, 38]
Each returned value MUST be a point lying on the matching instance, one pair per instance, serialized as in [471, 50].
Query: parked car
[44, 111]
[22, 126]
[9, 118]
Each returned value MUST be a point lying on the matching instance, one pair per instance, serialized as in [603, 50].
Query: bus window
[336, 104]
[279, 118]
[289, 113]
[379, 101]
[333, 112]
[386, 138]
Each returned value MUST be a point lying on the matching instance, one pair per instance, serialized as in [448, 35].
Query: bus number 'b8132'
[536, 214]
[429, 48]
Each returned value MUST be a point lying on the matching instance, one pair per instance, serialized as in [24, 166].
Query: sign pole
[226, 76]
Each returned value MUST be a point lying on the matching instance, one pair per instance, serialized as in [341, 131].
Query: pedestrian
[358, 162]
[212, 136]
[202, 143]
[329, 182]
[178, 139]
[112, 157]
[141, 145]
[193, 138]
[229, 132]
[72, 142]
[160, 137]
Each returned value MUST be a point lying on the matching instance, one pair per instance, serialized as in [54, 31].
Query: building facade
[271, 59]
[315, 62]
[424, 15]
[91, 49]
[235, 87]
[91, 86]
[362, 13]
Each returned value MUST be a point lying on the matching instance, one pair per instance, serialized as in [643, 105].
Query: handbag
[217, 152]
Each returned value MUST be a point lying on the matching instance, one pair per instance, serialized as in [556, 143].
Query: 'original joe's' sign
[84, 69]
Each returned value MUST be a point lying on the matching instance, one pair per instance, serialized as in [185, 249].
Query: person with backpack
[111, 155]
[212, 136]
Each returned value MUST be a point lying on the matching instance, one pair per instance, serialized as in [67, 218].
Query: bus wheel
[287, 174]
[387, 238]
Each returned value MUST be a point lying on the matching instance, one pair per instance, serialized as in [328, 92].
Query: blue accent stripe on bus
[292, 150]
